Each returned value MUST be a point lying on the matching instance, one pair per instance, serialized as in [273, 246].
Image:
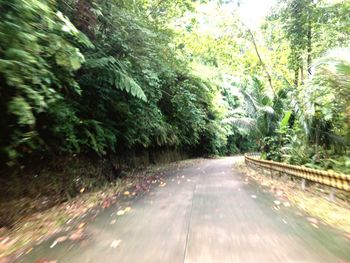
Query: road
[206, 212]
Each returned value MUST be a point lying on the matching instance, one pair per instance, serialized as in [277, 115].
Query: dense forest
[100, 77]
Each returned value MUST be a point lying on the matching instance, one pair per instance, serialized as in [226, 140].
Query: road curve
[206, 213]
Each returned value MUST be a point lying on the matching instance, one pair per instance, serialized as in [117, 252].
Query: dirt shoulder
[314, 200]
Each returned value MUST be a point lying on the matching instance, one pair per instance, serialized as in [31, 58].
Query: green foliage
[100, 76]
[37, 61]
[88, 76]
[107, 71]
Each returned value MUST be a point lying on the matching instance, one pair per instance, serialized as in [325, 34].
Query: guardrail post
[332, 194]
[303, 184]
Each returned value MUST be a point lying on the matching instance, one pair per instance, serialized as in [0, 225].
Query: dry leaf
[120, 213]
[279, 193]
[77, 236]
[286, 204]
[115, 243]
[58, 240]
[28, 251]
[314, 225]
[312, 220]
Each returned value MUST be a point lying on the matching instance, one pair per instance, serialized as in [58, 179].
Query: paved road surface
[205, 213]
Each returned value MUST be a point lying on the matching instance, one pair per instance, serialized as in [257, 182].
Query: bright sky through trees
[252, 12]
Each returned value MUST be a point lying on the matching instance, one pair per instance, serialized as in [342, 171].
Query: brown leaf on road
[78, 235]
[106, 203]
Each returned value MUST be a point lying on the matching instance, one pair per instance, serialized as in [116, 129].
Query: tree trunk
[302, 73]
[296, 77]
[309, 44]
[261, 61]
[309, 40]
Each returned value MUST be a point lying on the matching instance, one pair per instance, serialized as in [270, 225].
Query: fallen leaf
[28, 251]
[77, 236]
[286, 204]
[82, 190]
[126, 193]
[120, 213]
[106, 203]
[115, 243]
[279, 193]
[5, 240]
[53, 244]
[81, 225]
[312, 220]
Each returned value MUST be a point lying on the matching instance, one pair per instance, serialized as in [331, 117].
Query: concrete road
[205, 213]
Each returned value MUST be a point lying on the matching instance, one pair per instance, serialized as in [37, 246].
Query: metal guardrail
[329, 178]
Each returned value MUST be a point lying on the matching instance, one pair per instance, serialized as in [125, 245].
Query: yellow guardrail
[329, 178]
